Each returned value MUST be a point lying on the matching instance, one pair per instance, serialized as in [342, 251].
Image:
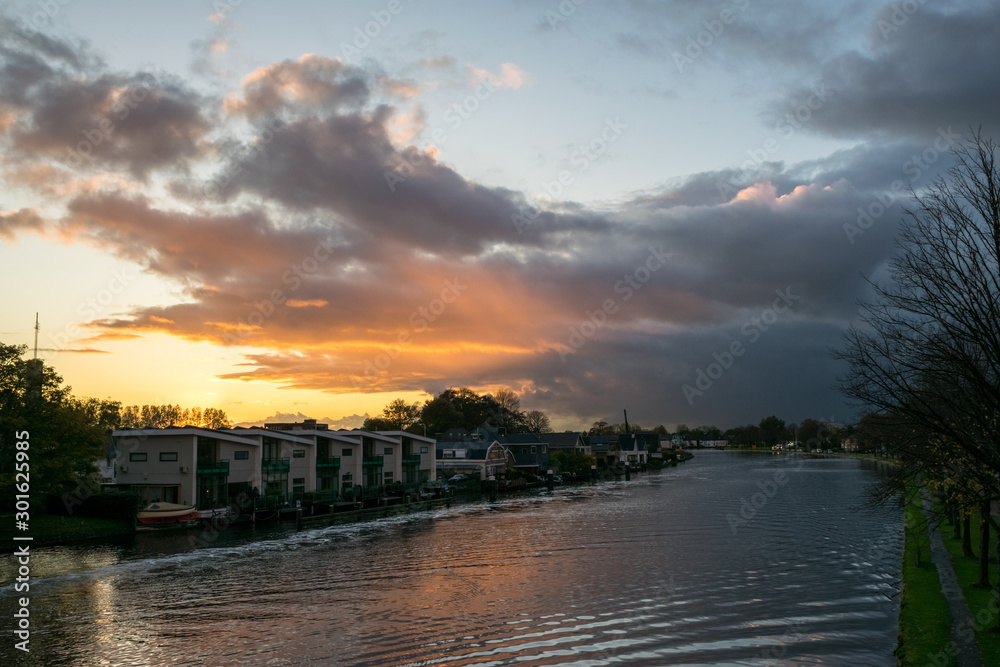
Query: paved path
[966, 647]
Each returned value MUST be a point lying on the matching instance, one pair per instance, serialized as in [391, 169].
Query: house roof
[145, 433]
[562, 440]
[270, 433]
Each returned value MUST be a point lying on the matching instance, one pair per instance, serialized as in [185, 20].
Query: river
[728, 559]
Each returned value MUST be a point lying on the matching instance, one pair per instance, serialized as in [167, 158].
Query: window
[298, 480]
[298, 485]
[448, 454]
[137, 457]
[532, 450]
[298, 453]
[241, 454]
[388, 478]
[168, 456]
[423, 450]
[387, 451]
[347, 451]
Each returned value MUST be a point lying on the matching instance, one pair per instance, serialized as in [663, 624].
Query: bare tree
[536, 421]
[927, 348]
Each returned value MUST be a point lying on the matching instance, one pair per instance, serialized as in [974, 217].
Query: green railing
[213, 467]
[372, 461]
[329, 462]
[411, 460]
[275, 465]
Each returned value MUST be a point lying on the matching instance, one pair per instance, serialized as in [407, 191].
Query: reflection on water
[651, 572]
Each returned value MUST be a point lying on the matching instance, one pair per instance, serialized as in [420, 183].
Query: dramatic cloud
[927, 68]
[303, 229]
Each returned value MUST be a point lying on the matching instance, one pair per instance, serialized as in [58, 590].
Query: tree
[808, 431]
[439, 415]
[772, 429]
[65, 435]
[399, 415]
[537, 421]
[507, 410]
[164, 416]
[927, 348]
[601, 428]
[215, 418]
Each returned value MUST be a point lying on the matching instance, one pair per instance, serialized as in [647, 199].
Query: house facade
[215, 469]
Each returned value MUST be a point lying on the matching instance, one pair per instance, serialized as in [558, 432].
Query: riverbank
[50, 530]
[924, 620]
[982, 602]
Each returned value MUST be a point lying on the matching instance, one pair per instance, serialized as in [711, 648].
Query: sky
[309, 210]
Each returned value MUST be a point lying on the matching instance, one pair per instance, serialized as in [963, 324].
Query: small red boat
[160, 513]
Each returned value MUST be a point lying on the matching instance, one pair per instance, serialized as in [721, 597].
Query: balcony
[372, 461]
[413, 460]
[213, 467]
[328, 462]
[274, 465]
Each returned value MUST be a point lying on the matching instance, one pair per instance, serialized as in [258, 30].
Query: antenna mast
[36, 335]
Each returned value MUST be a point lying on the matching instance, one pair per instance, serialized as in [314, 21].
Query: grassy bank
[924, 619]
[981, 601]
[48, 529]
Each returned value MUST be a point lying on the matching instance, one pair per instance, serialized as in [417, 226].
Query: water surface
[662, 570]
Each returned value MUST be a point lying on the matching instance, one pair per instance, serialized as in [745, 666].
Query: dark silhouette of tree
[65, 435]
[927, 348]
[772, 429]
[536, 421]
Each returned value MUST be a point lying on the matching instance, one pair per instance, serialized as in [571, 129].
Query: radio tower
[36, 335]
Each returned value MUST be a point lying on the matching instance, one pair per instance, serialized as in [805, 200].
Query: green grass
[924, 618]
[980, 600]
[49, 529]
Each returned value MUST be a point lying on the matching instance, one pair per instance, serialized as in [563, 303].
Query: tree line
[66, 434]
[462, 408]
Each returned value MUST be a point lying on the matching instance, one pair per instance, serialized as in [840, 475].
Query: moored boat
[165, 513]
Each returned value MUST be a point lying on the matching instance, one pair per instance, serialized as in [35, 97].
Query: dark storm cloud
[924, 70]
[72, 110]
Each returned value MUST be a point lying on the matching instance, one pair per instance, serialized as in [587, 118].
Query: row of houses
[488, 450]
[282, 462]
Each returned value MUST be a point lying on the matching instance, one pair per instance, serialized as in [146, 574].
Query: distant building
[477, 452]
[304, 425]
